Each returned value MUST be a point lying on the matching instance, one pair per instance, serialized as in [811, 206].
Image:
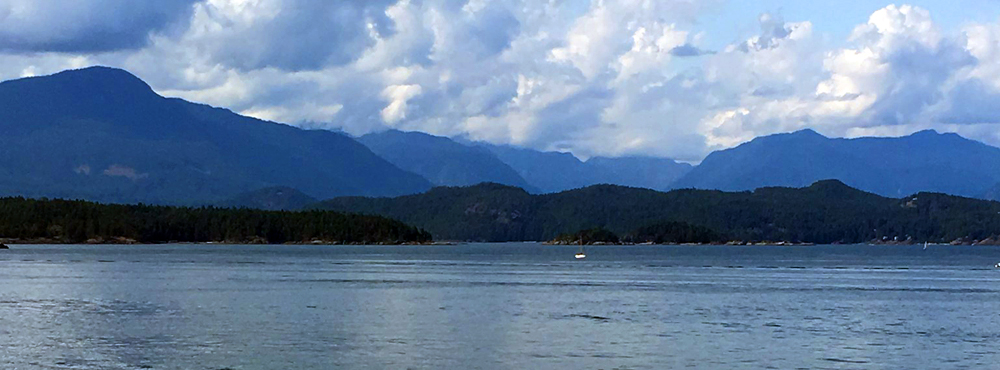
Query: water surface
[498, 306]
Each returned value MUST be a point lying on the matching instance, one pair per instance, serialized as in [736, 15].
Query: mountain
[441, 160]
[640, 172]
[553, 172]
[993, 193]
[278, 198]
[102, 134]
[925, 161]
[824, 212]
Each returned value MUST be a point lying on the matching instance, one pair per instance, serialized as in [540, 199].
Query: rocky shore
[730, 243]
[990, 241]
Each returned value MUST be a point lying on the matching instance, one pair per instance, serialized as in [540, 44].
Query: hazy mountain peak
[441, 160]
[943, 137]
[928, 132]
[889, 166]
[99, 71]
[97, 79]
[804, 134]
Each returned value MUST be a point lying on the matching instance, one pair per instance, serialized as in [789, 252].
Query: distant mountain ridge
[924, 161]
[102, 134]
[441, 160]
[554, 172]
[278, 198]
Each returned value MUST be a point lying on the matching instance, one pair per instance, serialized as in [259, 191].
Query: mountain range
[441, 160]
[892, 167]
[554, 171]
[102, 134]
[448, 162]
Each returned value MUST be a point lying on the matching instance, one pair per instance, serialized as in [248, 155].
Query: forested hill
[825, 212]
[104, 135]
[60, 221]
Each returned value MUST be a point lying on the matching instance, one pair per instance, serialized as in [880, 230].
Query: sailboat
[925, 245]
[580, 255]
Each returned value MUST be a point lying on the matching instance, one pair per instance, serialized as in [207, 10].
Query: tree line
[68, 221]
[826, 212]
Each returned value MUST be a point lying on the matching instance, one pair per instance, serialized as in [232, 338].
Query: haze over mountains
[441, 160]
[102, 134]
[553, 172]
[447, 162]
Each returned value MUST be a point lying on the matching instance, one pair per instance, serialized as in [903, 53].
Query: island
[54, 221]
[826, 212]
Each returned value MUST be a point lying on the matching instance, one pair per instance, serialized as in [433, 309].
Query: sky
[665, 78]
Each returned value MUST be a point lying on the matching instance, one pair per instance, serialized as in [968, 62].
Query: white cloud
[593, 77]
[398, 96]
[900, 73]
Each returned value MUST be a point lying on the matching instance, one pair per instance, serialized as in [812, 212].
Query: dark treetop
[825, 212]
[60, 221]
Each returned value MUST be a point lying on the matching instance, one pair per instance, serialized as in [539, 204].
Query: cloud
[38, 26]
[593, 77]
[398, 96]
[291, 35]
[899, 73]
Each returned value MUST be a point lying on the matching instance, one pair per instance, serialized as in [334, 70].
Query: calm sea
[498, 306]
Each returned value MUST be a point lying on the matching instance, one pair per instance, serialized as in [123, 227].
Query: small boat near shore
[581, 254]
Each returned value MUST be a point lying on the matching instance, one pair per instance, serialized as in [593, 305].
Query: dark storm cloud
[86, 26]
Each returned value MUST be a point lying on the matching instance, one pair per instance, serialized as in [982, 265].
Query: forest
[63, 221]
[825, 212]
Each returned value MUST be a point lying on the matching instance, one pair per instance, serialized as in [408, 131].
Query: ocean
[498, 306]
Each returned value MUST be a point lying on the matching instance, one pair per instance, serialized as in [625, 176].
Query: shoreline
[14, 242]
[124, 241]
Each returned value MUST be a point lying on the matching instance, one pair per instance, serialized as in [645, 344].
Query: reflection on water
[510, 306]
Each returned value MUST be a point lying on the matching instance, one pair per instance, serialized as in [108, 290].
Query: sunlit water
[500, 306]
